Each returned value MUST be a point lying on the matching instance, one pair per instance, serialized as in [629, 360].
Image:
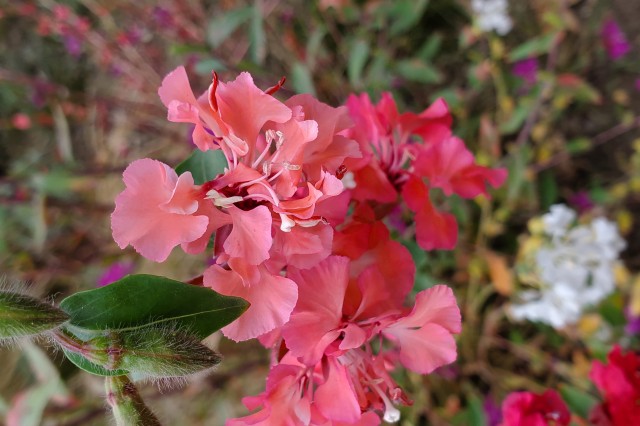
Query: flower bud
[126, 404]
[22, 315]
[146, 352]
[161, 353]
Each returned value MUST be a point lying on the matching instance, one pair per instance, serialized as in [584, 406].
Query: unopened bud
[161, 353]
[146, 352]
[22, 315]
[126, 404]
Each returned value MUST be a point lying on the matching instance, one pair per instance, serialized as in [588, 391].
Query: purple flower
[492, 412]
[162, 16]
[633, 324]
[614, 40]
[581, 201]
[73, 45]
[115, 272]
[526, 69]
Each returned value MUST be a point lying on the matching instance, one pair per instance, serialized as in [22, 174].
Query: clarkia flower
[343, 306]
[530, 409]
[272, 206]
[409, 154]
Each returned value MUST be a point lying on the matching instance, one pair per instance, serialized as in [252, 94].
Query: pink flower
[619, 384]
[530, 409]
[408, 154]
[156, 211]
[21, 121]
[333, 316]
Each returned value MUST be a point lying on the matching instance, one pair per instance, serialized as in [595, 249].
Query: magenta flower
[614, 40]
[526, 69]
[115, 272]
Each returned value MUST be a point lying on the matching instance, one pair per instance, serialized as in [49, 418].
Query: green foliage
[579, 401]
[139, 301]
[203, 165]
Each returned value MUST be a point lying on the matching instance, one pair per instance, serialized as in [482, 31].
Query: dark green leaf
[579, 402]
[405, 14]
[548, 189]
[137, 301]
[477, 416]
[204, 166]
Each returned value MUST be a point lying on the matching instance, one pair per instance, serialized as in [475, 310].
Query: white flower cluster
[575, 268]
[492, 15]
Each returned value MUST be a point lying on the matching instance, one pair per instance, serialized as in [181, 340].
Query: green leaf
[203, 165]
[534, 47]
[548, 189]
[516, 120]
[430, 47]
[222, 26]
[258, 41]
[578, 145]
[358, 55]
[301, 79]
[405, 14]
[419, 71]
[138, 301]
[579, 402]
[477, 416]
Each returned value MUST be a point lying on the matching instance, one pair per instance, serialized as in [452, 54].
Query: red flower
[530, 409]
[619, 384]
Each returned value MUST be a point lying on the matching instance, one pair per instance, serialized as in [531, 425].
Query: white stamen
[287, 223]
[220, 200]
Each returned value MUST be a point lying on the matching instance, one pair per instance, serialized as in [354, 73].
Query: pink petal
[434, 229]
[425, 335]
[217, 219]
[335, 398]
[250, 238]
[303, 248]
[175, 86]
[315, 321]
[141, 217]
[450, 166]
[272, 299]
[245, 109]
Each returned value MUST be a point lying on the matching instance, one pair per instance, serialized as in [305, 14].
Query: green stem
[126, 403]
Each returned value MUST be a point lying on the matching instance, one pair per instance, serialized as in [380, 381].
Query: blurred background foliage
[548, 100]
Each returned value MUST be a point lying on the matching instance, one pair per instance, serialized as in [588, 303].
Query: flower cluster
[572, 267]
[492, 15]
[295, 225]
